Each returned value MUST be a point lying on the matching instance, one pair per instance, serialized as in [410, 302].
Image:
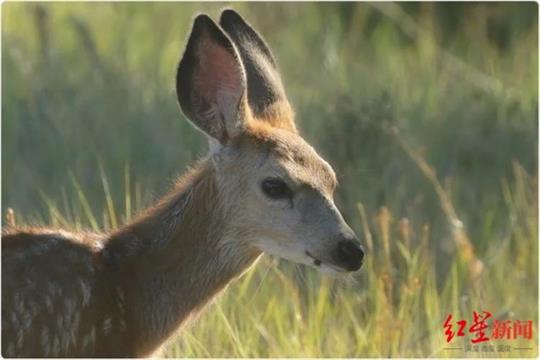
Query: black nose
[350, 254]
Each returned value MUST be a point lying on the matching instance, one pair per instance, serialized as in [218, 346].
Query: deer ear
[211, 82]
[266, 95]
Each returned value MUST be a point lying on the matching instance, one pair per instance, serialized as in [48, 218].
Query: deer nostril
[350, 254]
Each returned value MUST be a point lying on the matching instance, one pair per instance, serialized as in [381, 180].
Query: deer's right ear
[211, 82]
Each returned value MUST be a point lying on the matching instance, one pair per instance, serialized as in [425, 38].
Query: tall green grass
[427, 112]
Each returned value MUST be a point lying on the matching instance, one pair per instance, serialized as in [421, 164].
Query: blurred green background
[427, 112]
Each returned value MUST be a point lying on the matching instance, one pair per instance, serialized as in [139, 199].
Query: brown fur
[147, 285]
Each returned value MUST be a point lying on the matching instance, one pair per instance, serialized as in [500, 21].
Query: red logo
[480, 328]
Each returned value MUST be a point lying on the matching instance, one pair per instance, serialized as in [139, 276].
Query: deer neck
[177, 257]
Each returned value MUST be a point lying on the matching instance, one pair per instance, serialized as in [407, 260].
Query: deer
[261, 189]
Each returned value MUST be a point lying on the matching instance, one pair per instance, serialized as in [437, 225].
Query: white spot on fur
[123, 325]
[45, 343]
[70, 307]
[20, 339]
[59, 322]
[24, 325]
[56, 347]
[14, 321]
[86, 291]
[48, 303]
[107, 325]
[89, 339]
[74, 328]
[34, 307]
[120, 301]
[11, 350]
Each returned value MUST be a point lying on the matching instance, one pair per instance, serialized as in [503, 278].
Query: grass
[428, 113]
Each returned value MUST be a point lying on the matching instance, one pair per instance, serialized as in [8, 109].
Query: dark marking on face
[291, 202]
[316, 261]
[223, 125]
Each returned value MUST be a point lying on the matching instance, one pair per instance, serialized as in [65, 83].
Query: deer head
[276, 190]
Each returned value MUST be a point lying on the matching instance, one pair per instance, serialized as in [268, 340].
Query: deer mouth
[318, 263]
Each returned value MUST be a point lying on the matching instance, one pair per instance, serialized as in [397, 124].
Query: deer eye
[276, 189]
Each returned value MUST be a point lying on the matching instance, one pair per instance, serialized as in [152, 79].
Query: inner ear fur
[211, 82]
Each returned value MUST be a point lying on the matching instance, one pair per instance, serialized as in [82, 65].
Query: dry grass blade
[365, 226]
[459, 235]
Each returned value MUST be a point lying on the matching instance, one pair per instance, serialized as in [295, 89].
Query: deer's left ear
[266, 95]
[211, 82]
